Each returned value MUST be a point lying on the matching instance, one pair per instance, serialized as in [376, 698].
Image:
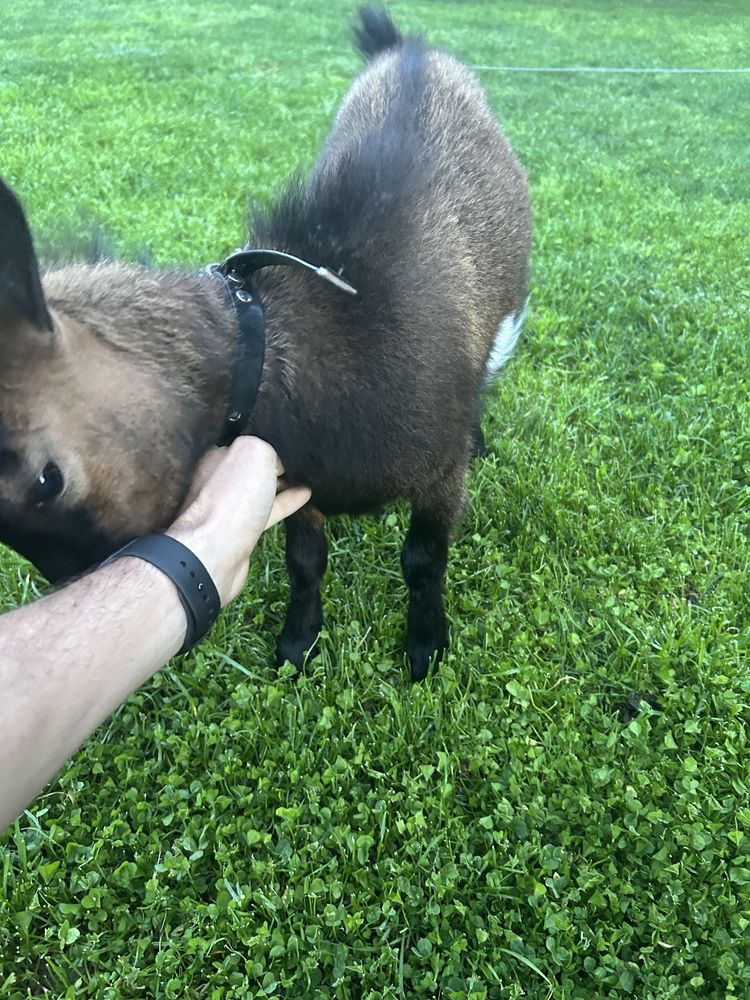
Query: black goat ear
[21, 295]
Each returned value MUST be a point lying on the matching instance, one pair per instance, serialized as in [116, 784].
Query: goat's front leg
[306, 560]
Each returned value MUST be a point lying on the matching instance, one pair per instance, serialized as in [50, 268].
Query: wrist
[217, 553]
[149, 606]
[193, 584]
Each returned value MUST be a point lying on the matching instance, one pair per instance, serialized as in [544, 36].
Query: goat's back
[419, 199]
[466, 196]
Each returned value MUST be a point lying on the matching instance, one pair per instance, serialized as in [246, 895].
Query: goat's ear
[21, 295]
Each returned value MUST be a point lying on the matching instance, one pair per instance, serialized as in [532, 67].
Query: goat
[117, 378]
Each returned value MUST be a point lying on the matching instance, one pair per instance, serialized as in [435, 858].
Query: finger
[203, 472]
[287, 503]
[260, 451]
[242, 456]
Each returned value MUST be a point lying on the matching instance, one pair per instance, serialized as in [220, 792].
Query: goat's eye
[49, 484]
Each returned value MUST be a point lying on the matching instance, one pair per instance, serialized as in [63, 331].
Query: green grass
[514, 827]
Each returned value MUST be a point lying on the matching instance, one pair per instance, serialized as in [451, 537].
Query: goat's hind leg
[478, 444]
[306, 560]
[424, 558]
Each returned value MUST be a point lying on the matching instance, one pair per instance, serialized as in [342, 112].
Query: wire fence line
[605, 69]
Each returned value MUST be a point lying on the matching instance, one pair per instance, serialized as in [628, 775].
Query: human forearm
[69, 660]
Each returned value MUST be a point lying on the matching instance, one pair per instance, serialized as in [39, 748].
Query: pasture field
[563, 811]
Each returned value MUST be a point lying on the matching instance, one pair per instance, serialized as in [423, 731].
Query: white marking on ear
[505, 342]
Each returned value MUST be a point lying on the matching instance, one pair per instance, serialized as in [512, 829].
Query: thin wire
[603, 69]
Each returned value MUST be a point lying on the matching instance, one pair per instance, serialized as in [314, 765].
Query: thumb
[287, 502]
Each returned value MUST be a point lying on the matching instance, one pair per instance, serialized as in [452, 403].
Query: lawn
[563, 811]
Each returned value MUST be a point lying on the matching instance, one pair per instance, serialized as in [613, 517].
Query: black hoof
[422, 656]
[295, 651]
[478, 447]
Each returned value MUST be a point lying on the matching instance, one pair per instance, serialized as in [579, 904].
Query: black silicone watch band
[197, 590]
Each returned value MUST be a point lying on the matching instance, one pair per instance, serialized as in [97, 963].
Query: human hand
[236, 494]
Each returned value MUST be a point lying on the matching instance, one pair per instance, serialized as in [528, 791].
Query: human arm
[68, 660]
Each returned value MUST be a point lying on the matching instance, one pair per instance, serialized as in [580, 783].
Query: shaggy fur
[418, 201]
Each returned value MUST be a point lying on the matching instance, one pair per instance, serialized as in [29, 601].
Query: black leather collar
[247, 364]
[247, 369]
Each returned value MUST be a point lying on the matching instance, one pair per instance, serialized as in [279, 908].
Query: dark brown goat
[116, 379]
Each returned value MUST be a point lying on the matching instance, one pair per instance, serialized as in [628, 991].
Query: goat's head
[102, 412]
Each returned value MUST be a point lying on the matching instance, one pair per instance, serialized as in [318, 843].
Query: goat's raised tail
[505, 343]
[376, 32]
